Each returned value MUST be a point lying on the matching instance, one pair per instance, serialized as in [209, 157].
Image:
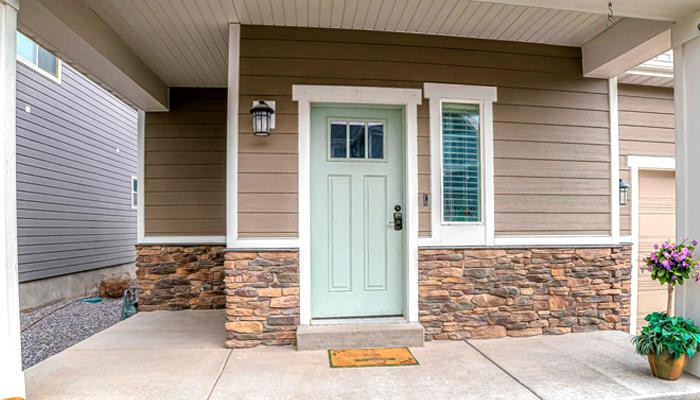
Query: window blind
[461, 186]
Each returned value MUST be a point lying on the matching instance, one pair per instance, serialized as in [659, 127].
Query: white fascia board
[79, 37]
[623, 46]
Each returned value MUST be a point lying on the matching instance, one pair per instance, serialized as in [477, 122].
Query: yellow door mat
[389, 357]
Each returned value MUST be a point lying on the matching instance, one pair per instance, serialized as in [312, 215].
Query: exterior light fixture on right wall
[624, 192]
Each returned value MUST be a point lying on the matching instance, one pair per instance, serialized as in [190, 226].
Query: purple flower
[666, 264]
[694, 242]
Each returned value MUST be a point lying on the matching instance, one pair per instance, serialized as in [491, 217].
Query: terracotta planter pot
[663, 366]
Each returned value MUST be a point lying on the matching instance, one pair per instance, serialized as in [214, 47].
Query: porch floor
[179, 355]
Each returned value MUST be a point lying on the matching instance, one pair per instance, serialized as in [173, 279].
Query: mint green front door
[356, 186]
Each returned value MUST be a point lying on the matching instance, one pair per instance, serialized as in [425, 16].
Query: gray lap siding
[76, 154]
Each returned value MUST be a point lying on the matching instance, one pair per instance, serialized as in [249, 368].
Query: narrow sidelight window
[461, 162]
[134, 192]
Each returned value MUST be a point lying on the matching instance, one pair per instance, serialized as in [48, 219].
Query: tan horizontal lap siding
[551, 124]
[647, 128]
[185, 165]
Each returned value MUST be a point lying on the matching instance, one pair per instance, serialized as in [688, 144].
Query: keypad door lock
[398, 218]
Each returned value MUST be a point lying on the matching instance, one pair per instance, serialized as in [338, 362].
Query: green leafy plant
[676, 335]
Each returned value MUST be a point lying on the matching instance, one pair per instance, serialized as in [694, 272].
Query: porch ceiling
[185, 42]
[655, 72]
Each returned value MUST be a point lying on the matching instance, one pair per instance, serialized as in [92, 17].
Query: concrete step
[356, 336]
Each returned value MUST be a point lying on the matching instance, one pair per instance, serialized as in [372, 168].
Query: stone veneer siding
[490, 293]
[180, 277]
[262, 298]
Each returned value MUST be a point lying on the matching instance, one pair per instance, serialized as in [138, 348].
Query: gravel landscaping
[52, 329]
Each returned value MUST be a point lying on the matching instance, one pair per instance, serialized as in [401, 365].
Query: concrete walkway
[179, 355]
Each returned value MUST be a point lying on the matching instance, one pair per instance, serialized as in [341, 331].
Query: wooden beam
[78, 36]
[625, 45]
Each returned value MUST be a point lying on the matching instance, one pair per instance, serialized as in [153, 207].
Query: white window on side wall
[37, 57]
[461, 161]
[134, 192]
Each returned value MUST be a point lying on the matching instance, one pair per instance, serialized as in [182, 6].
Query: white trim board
[187, 240]
[234, 45]
[264, 243]
[141, 178]
[614, 160]
[305, 95]
[557, 240]
[636, 163]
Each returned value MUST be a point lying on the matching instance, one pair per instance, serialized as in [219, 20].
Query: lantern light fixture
[263, 117]
[624, 192]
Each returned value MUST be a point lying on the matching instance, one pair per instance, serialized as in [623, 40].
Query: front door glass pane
[357, 140]
[339, 139]
[375, 134]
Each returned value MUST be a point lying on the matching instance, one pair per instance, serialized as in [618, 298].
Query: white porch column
[234, 49]
[11, 376]
[685, 38]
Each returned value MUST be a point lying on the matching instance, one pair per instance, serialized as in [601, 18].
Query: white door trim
[305, 95]
[636, 163]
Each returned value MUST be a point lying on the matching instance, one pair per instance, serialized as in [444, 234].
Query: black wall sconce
[263, 118]
[624, 192]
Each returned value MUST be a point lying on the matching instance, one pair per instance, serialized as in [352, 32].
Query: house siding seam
[551, 125]
[647, 128]
[76, 154]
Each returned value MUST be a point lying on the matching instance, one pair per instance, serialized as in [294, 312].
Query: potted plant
[668, 341]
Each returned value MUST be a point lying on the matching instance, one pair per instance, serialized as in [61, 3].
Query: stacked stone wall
[180, 277]
[489, 293]
[262, 298]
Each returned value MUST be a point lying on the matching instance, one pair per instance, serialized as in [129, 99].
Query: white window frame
[449, 233]
[35, 66]
[134, 193]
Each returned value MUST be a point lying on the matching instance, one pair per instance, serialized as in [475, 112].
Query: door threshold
[359, 321]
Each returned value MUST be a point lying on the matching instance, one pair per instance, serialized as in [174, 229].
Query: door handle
[398, 218]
